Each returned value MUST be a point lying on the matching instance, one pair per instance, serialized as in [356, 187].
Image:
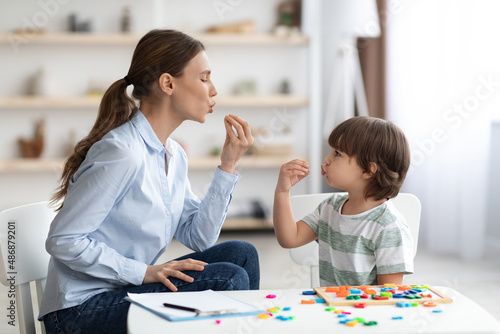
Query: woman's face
[194, 90]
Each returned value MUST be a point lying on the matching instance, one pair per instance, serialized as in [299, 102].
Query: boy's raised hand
[291, 173]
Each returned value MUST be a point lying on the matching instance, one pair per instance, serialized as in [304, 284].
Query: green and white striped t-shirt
[353, 249]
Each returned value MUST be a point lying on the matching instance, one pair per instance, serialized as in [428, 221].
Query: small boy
[363, 239]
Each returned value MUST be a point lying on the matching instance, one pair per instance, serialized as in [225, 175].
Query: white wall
[492, 227]
[443, 89]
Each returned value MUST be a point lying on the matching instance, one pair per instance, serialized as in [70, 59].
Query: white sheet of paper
[207, 300]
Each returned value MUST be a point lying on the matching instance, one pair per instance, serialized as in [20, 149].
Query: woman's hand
[236, 144]
[160, 272]
[291, 173]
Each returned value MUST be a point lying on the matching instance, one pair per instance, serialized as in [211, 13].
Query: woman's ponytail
[116, 108]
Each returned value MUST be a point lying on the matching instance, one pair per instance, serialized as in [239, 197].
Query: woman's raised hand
[158, 273]
[236, 144]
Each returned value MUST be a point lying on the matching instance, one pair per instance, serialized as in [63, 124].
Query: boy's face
[343, 172]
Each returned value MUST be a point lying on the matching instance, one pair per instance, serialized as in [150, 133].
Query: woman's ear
[165, 82]
[372, 169]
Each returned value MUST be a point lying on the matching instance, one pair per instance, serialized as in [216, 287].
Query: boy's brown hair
[371, 139]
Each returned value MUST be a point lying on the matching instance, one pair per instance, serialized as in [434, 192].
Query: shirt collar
[147, 133]
[169, 147]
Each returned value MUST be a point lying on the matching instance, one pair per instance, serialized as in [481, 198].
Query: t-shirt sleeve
[313, 218]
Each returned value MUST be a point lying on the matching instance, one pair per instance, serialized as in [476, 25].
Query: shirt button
[168, 213]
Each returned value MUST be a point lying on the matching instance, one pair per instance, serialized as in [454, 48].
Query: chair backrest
[407, 204]
[23, 259]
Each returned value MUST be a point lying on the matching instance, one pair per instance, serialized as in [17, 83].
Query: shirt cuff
[224, 182]
[133, 271]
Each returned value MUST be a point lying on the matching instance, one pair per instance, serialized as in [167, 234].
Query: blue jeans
[232, 265]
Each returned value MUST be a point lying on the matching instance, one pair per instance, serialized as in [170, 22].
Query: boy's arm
[396, 278]
[290, 234]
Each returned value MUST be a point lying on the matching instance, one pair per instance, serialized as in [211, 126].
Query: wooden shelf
[251, 40]
[31, 165]
[51, 165]
[69, 39]
[91, 39]
[262, 100]
[252, 161]
[38, 102]
[247, 223]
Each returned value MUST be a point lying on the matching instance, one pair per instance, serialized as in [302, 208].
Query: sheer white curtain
[443, 89]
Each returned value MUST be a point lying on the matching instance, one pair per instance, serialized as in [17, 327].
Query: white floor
[480, 281]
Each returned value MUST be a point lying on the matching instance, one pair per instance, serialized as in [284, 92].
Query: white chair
[23, 258]
[408, 204]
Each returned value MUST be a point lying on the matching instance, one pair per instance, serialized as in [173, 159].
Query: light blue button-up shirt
[121, 212]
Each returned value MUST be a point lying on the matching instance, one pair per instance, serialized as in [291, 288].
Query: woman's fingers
[176, 268]
[169, 284]
[229, 129]
[187, 264]
[243, 126]
[160, 273]
[167, 272]
[238, 140]
[230, 124]
[243, 131]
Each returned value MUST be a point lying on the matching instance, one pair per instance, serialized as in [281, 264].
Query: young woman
[126, 194]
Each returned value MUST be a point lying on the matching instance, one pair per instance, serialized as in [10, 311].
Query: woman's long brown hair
[158, 52]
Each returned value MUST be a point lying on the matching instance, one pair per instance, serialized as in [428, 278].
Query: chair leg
[40, 286]
[25, 316]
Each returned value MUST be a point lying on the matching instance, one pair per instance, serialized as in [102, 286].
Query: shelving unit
[92, 103]
[265, 110]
